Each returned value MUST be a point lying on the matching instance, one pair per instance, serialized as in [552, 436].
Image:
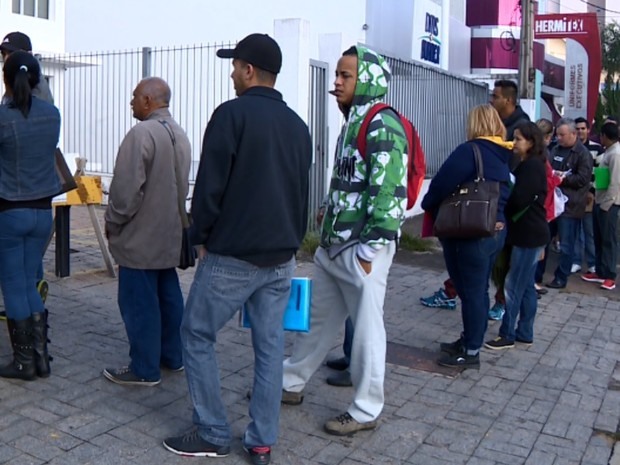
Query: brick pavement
[555, 403]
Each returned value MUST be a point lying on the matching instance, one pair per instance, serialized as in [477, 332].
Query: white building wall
[47, 35]
[121, 24]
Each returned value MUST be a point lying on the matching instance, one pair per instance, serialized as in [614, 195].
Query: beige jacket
[605, 198]
[142, 219]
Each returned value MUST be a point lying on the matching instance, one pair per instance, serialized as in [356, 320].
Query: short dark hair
[610, 130]
[509, 89]
[532, 133]
[351, 51]
[581, 119]
[264, 76]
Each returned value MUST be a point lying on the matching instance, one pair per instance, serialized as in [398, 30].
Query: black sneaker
[2, 315]
[192, 445]
[461, 360]
[499, 343]
[339, 364]
[525, 342]
[127, 377]
[452, 348]
[555, 284]
[259, 455]
[178, 369]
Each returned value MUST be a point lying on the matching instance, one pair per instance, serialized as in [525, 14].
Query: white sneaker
[575, 268]
[592, 269]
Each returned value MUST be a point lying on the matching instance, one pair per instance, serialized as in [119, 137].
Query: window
[34, 8]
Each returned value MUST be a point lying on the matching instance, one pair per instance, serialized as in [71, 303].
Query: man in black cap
[15, 41]
[250, 212]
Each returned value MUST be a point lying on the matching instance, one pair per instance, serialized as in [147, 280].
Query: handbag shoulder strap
[177, 175]
[478, 160]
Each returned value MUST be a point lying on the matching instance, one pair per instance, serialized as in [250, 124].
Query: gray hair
[567, 122]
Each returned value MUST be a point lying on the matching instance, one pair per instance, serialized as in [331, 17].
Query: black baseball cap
[259, 50]
[14, 41]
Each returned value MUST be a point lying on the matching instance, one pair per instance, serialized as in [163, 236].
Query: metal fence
[317, 122]
[437, 102]
[93, 91]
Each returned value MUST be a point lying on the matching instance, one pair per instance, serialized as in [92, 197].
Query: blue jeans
[585, 242]
[568, 229]
[521, 297]
[222, 285]
[469, 263]
[542, 264]
[23, 235]
[151, 305]
[605, 233]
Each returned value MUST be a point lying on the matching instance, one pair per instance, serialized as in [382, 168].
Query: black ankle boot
[22, 366]
[41, 355]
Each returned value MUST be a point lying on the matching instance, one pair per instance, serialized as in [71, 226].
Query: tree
[609, 99]
[610, 44]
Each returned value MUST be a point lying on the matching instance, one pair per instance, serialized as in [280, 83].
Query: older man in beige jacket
[607, 205]
[144, 229]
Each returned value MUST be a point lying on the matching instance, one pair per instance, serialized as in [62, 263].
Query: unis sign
[427, 32]
[431, 45]
[583, 58]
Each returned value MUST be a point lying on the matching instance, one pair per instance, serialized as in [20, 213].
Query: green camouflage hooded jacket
[362, 206]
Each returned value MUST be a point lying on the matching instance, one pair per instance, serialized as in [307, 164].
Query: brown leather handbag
[471, 210]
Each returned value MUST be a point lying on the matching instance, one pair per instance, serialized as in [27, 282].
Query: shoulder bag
[188, 253]
[471, 210]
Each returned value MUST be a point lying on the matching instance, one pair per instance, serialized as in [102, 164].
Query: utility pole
[526, 52]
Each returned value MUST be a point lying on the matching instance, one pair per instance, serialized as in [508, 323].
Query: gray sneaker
[127, 377]
[345, 425]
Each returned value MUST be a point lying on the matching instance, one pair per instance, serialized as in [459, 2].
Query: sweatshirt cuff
[365, 252]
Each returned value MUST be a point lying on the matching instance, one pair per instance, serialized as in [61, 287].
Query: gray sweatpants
[341, 288]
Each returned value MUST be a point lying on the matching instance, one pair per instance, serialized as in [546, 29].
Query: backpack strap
[363, 132]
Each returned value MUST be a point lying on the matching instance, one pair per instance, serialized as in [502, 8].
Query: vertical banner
[576, 81]
[582, 72]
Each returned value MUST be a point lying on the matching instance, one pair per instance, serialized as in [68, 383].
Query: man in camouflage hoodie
[362, 219]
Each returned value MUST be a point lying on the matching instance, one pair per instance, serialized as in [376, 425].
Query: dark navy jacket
[460, 167]
[250, 200]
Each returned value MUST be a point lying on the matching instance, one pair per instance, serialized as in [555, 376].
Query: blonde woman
[469, 261]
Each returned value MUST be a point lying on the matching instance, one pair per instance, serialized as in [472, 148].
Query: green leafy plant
[310, 243]
[416, 244]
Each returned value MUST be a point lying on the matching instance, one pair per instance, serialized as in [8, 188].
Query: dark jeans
[606, 241]
[348, 339]
[585, 242]
[542, 264]
[469, 263]
[568, 228]
[521, 298]
[23, 234]
[151, 305]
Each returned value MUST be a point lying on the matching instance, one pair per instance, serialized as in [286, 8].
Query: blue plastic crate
[297, 313]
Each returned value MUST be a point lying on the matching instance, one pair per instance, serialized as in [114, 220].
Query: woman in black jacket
[528, 233]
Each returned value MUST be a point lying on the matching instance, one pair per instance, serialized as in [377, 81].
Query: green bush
[415, 243]
[310, 243]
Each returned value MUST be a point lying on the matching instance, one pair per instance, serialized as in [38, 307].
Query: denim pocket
[230, 276]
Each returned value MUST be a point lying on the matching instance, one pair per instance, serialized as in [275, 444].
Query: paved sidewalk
[556, 403]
